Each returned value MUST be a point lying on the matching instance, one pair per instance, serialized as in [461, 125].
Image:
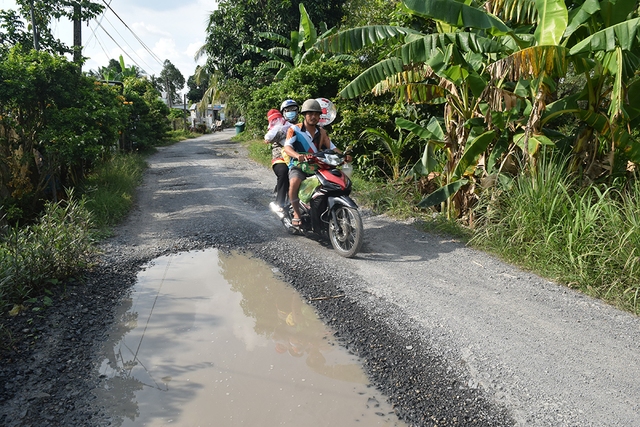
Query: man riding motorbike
[303, 138]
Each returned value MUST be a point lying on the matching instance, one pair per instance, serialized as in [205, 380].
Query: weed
[57, 247]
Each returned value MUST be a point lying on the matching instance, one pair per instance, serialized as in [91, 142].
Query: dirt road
[452, 336]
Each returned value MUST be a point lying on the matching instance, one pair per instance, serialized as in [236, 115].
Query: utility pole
[169, 93]
[36, 44]
[77, 34]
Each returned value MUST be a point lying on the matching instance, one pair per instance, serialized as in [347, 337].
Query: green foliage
[54, 124]
[147, 115]
[259, 151]
[319, 79]
[171, 81]
[237, 23]
[59, 246]
[44, 12]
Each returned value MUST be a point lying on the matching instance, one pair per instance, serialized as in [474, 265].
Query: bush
[54, 124]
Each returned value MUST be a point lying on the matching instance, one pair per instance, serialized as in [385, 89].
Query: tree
[116, 71]
[196, 88]
[44, 12]
[12, 31]
[171, 81]
[236, 23]
[54, 124]
[494, 77]
[292, 52]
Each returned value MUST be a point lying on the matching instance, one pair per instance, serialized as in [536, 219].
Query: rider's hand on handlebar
[302, 158]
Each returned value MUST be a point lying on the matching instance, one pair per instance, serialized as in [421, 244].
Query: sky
[171, 29]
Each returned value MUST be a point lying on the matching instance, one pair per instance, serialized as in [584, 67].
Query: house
[214, 113]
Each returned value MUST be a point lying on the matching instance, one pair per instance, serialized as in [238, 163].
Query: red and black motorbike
[326, 209]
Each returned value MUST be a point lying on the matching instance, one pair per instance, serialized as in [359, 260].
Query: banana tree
[602, 45]
[443, 69]
[212, 94]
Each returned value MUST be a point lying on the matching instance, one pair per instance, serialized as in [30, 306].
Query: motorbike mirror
[329, 111]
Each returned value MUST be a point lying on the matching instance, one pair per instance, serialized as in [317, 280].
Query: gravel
[450, 335]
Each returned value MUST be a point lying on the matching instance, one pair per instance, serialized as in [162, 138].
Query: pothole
[209, 338]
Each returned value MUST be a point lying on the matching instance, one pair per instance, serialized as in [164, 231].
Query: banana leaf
[433, 132]
[582, 15]
[372, 76]
[473, 150]
[623, 35]
[356, 38]
[307, 27]
[457, 14]
[552, 21]
[442, 194]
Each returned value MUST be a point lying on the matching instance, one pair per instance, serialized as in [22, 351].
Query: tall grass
[58, 246]
[109, 189]
[585, 237]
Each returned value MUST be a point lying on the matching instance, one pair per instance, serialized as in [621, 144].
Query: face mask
[290, 115]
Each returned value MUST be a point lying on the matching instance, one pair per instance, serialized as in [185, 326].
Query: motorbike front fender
[342, 200]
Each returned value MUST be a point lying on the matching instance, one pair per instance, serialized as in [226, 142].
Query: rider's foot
[296, 222]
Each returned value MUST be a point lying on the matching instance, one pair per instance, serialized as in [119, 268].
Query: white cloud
[171, 30]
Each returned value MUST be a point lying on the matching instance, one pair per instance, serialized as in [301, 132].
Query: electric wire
[123, 51]
[93, 30]
[135, 35]
[125, 40]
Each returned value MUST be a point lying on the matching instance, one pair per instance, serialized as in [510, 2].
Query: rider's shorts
[296, 172]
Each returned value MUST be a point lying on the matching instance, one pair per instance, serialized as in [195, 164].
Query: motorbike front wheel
[346, 231]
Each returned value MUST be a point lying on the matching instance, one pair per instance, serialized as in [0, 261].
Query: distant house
[214, 113]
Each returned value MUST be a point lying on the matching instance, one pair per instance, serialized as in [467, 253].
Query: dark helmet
[311, 105]
[287, 104]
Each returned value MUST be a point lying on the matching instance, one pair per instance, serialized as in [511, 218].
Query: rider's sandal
[296, 222]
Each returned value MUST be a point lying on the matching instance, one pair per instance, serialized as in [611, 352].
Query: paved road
[545, 354]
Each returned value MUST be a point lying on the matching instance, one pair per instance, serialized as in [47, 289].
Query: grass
[109, 189]
[61, 244]
[177, 136]
[587, 238]
[58, 246]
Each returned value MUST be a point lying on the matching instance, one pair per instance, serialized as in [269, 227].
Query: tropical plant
[299, 49]
[491, 77]
[238, 22]
[212, 94]
[391, 149]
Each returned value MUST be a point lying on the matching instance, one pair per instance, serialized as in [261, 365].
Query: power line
[93, 32]
[135, 35]
[123, 51]
[125, 40]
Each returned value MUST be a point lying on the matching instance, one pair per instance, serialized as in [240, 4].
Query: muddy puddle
[211, 339]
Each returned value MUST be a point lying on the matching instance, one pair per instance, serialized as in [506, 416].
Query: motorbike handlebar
[320, 157]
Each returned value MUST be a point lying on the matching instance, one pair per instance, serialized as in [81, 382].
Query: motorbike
[326, 210]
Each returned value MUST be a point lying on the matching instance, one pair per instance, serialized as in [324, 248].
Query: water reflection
[215, 339]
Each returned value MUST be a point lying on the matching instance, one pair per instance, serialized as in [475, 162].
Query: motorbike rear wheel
[346, 231]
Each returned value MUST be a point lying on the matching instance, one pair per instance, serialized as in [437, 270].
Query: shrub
[59, 246]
